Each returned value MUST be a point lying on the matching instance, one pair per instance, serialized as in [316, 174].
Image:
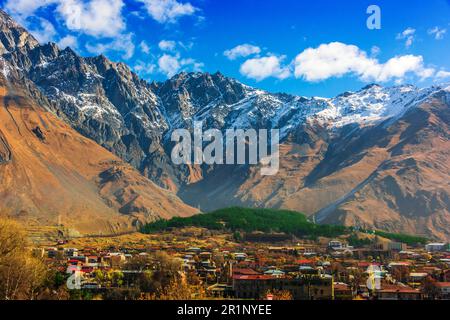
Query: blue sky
[312, 48]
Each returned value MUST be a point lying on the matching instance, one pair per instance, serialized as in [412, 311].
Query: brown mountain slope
[49, 173]
[410, 191]
[393, 176]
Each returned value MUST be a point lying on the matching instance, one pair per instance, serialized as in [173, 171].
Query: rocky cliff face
[359, 158]
[51, 174]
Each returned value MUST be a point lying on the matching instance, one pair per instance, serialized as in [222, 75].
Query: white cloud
[168, 10]
[408, 35]
[443, 75]
[123, 43]
[99, 18]
[145, 48]
[22, 9]
[144, 69]
[338, 59]
[167, 45]
[172, 64]
[45, 32]
[192, 64]
[243, 50]
[68, 41]
[265, 67]
[169, 65]
[437, 32]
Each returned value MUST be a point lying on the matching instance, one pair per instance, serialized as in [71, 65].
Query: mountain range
[87, 139]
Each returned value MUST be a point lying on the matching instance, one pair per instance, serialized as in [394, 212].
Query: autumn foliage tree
[21, 274]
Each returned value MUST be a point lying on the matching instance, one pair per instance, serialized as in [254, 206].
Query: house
[416, 278]
[220, 290]
[52, 252]
[245, 271]
[442, 290]
[275, 273]
[301, 288]
[81, 259]
[71, 252]
[335, 244]
[436, 246]
[396, 246]
[398, 292]
[342, 291]
[239, 256]
[305, 262]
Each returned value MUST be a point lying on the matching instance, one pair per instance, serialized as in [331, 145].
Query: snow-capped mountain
[330, 146]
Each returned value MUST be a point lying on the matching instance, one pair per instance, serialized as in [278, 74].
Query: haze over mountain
[373, 158]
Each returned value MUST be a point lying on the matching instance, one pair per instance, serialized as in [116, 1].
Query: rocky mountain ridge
[330, 147]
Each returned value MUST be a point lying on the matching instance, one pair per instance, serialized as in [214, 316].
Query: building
[301, 288]
[396, 246]
[342, 291]
[436, 246]
[442, 290]
[335, 244]
[398, 292]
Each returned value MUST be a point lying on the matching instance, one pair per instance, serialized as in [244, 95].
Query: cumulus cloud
[437, 33]
[43, 31]
[168, 11]
[169, 65]
[243, 50]
[265, 67]
[145, 48]
[123, 43]
[95, 18]
[99, 18]
[22, 9]
[442, 75]
[337, 59]
[167, 45]
[408, 35]
[172, 64]
[68, 41]
[144, 69]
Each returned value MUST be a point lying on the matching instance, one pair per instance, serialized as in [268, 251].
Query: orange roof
[341, 287]
[442, 284]
[252, 277]
[304, 261]
[397, 288]
[246, 271]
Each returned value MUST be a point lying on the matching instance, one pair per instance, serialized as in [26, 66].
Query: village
[214, 265]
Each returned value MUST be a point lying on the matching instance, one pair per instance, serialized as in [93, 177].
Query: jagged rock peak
[13, 36]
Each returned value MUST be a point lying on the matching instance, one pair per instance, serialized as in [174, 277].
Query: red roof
[304, 261]
[397, 288]
[341, 287]
[252, 277]
[442, 284]
[365, 264]
[73, 261]
[245, 271]
[87, 269]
